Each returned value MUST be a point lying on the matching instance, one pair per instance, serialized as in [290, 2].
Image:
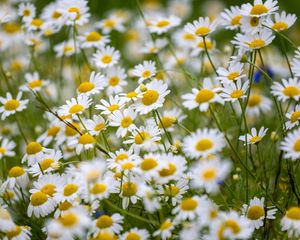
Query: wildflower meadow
[149, 119]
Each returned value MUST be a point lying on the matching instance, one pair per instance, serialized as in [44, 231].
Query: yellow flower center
[232, 225]
[106, 59]
[37, 22]
[126, 122]
[209, 174]
[259, 9]
[70, 189]
[53, 131]
[162, 23]
[121, 156]
[68, 219]
[236, 20]
[255, 212]
[209, 44]
[141, 137]
[172, 191]
[38, 198]
[70, 132]
[93, 37]
[2, 150]
[86, 139]
[11, 27]
[280, 26]
[166, 122]
[257, 43]
[148, 164]
[204, 95]
[295, 116]
[104, 221]
[86, 87]
[75, 10]
[254, 21]
[4, 214]
[201, 31]
[165, 225]
[189, 204]
[297, 146]
[11, 105]
[68, 48]
[76, 109]
[237, 93]
[150, 97]
[170, 170]
[99, 127]
[33, 148]
[291, 91]
[105, 235]
[35, 84]
[56, 15]
[64, 206]
[204, 144]
[46, 163]
[129, 189]
[213, 214]
[189, 36]
[113, 107]
[7, 195]
[114, 81]
[255, 139]
[16, 172]
[26, 12]
[146, 74]
[127, 166]
[49, 189]
[98, 188]
[109, 23]
[131, 94]
[293, 213]
[14, 233]
[233, 75]
[254, 100]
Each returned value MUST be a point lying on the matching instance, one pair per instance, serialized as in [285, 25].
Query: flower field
[148, 120]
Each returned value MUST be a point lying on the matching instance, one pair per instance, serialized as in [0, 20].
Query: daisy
[170, 117]
[149, 199]
[103, 188]
[231, 226]
[106, 57]
[17, 175]
[287, 89]
[26, 10]
[203, 97]
[124, 121]
[189, 208]
[135, 233]
[74, 11]
[50, 134]
[34, 82]
[153, 97]
[95, 84]
[18, 233]
[233, 92]
[93, 39]
[209, 174]
[34, 151]
[84, 142]
[255, 136]
[165, 230]
[6, 148]
[96, 125]
[203, 142]
[111, 23]
[111, 223]
[255, 212]
[52, 14]
[144, 71]
[115, 80]
[293, 117]
[115, 103]
[12, 105]
[33, 24]
[259, 8]
[121, 157]
[200, 46]
[150, 165]
[6, 221]
[131, 96]
[257, 104]
[201, 27]
[252, 25]
[291, 222]
[162, 25]
[129, 190]
[231, 18]
[281, 21]
[40, 204]
[65, 48]
[154, 47]
[252, 42]
[232, 73]
[76, 105]
[291, 145]
[144, 137]
[184, 39]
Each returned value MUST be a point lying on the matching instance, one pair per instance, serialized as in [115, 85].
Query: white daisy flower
[201, 27]
[135, 233]
[6, 221]
[258, 104]
[169, 118]
[40, 204]
[103, 188]
[252, 25]
[287, 89]
[115, 80]
[111, 223]
[106, 57]
[75, 105]
[144, 71]
[34, 151]
[93, 39]
[203, 142]
[95, 84]
[34, 82]
[281, 21]
[18, 233]
[96, 125]
[165, 230]
[26, 10]
[6, 148]
[162, 25]
[111, 23]
[65, 48]
[84, 142]
[234, 91]
[17, 176]
[47, 184]
[231, 18]
[232, 73]
[259, 8]
[293, 117]
[12, 105]
[255, 212]
[199, 46]
[255, 136]
[203, 97]
[291, 145]
[115, 103]
[291, 222]
[154, 47]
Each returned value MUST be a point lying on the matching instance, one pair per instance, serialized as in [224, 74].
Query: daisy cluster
[138, 126]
